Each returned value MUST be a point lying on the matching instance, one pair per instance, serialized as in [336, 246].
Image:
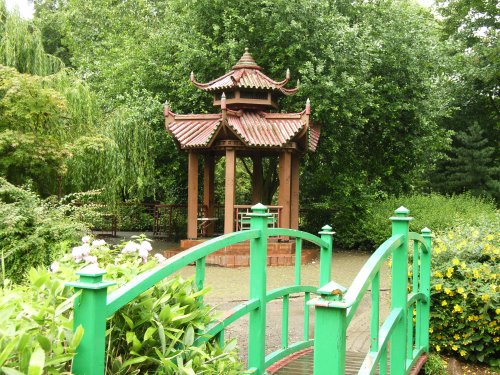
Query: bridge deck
[302, 364]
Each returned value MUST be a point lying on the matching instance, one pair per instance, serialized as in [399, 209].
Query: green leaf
[189, 336]
[134, 361]
[37, 362]
[77, 337]
[129, 321]
[44, 342]
[11, 371]
[149, 333]
[6, 351]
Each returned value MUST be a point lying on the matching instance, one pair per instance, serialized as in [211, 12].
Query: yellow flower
[460, 290]
[447, 291]
[462, 353]
[457, 309]
[450, 235]
[438, 348]
[463, 265]
[489, 237]
[485, 297]
[456, 336]
[475, 233]
[497, 311]
[496, 339]
[444, 303]
[431, 330]
[455, 347]
[438, 274]
[476, 273]
[438, 286]
[455, 261]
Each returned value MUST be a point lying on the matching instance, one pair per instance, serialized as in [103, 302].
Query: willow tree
[21, 46]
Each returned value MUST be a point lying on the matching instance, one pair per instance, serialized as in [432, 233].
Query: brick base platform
[278, 254]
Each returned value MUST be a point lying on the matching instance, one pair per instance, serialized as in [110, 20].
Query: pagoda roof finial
[246, 61]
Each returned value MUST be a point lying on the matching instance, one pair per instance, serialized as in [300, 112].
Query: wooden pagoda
[243, 127]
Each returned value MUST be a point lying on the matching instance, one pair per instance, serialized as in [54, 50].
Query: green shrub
[437, 212]
[154, 333]
[435, 365]
[32, 231]
[465, 296]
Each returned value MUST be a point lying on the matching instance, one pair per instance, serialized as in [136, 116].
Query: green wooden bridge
[406, 326]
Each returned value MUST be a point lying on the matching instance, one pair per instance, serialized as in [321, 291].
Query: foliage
[153, 333]
[471, 33]
[434, 211]
[472, 166]
[33, 232]
[21, 46]
[435, 365]
[36, 335]
[372, 71]
[465, 296]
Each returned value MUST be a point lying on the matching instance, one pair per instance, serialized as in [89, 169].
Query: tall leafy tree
[472, 29]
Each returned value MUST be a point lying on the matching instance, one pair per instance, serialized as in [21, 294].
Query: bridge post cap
[259, 210]
[92, 270]
[426, 232]
[401, 214]
[402, 211]
[326, 229]
[91, 278]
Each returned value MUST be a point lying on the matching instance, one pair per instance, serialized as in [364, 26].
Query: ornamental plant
[155, 333]
[465, 296]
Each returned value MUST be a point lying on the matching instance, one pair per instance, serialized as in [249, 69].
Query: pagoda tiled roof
[255, 129]
[245, 74]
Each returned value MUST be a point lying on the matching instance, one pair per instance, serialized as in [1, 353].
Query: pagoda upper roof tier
[245, 74]
[254, 129]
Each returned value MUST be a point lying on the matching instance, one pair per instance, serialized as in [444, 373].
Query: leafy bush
[434, 211]
[155, 332]
[32, 231]
[465, 311]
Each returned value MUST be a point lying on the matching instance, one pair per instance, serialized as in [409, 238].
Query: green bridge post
[330, 334]
[425, 285]
[258, 290]
[90, 313]
[399, 291]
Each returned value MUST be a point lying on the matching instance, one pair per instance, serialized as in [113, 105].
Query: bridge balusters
[374, 323]
[307, 297]
[425, 287]
[200, 273]
[298, 260]
[284, 322]
[399, 291]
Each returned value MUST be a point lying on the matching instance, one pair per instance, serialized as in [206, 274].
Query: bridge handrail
[337, 306]
[93, 305]
[131, 290]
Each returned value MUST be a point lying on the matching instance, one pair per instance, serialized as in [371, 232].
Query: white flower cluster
[143, 249]
[82, 252]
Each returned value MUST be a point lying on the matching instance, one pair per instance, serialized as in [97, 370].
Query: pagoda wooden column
[294, 206]
[229, 198]
[209, 189]
[192, 214]
[284, 195]
[257, 180]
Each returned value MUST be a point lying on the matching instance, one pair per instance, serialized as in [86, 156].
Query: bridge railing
[407, 324]
[94, 305]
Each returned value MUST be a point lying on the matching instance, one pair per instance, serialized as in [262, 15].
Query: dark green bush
[465, 293]
[32, 231]
[437, 212]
